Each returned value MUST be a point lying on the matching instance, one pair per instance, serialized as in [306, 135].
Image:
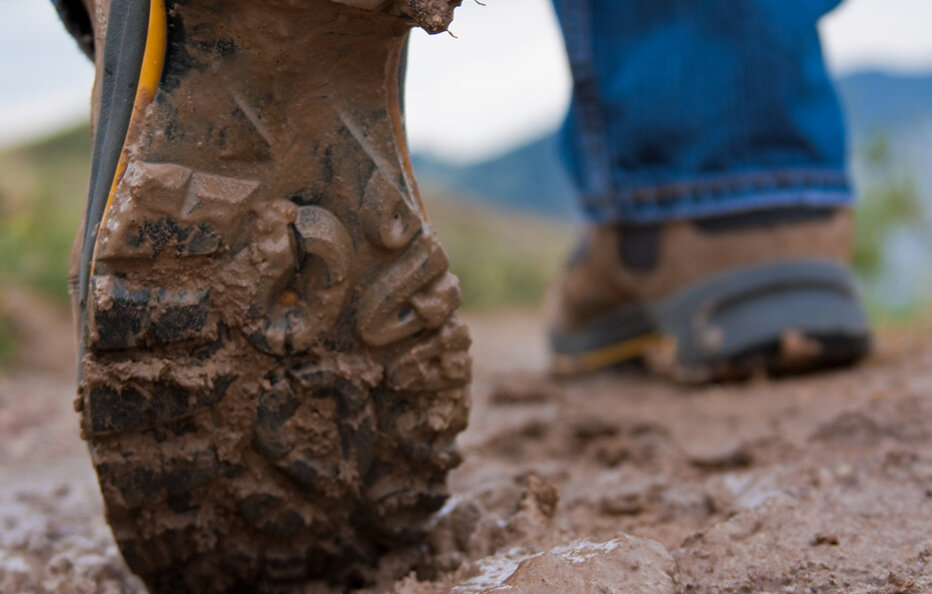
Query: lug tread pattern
[219, 481]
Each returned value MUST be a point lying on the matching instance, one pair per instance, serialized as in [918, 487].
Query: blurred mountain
[883, 103]
[531, 178]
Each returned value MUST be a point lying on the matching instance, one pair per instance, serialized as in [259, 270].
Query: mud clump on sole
[272, 376]
[433, 16]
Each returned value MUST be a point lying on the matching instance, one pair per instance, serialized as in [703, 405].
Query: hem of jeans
[623, 209]
[738, 181]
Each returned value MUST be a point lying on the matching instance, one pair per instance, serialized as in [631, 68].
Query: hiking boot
[272, 376]
[713, 298]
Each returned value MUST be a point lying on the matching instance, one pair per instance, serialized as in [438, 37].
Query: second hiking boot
[712, 299]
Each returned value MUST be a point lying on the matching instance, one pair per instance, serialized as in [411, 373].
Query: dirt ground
[615, 483]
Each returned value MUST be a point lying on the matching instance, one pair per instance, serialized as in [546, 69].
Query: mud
[616, 483]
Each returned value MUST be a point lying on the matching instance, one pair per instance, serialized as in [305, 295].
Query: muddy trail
[615, 483]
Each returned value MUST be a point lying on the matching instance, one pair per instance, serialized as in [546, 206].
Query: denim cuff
[720, 195]
[694, 109]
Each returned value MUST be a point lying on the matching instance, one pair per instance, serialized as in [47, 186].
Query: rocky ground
[615, 483]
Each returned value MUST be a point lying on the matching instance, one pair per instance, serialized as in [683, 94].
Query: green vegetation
[7, 338]
[889, 201]
[42, 192]
[502, 259]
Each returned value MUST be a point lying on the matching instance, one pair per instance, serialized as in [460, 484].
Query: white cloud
[503, 79]
[880, 34]
[45, 81]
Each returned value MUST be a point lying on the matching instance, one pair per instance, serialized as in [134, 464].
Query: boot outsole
[271, 381]
[784, 318]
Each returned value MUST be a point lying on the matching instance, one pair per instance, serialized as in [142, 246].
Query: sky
[502, 80]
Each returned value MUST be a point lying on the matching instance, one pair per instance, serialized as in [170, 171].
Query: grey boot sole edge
[786, 317]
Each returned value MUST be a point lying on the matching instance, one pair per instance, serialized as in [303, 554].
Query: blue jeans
[692, 108]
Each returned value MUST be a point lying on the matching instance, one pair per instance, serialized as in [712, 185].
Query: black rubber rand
[127, 30]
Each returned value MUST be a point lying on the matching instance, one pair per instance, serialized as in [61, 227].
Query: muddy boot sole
[272, 376]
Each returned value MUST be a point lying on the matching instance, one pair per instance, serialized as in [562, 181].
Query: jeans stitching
[739, 182]
[703, 205]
